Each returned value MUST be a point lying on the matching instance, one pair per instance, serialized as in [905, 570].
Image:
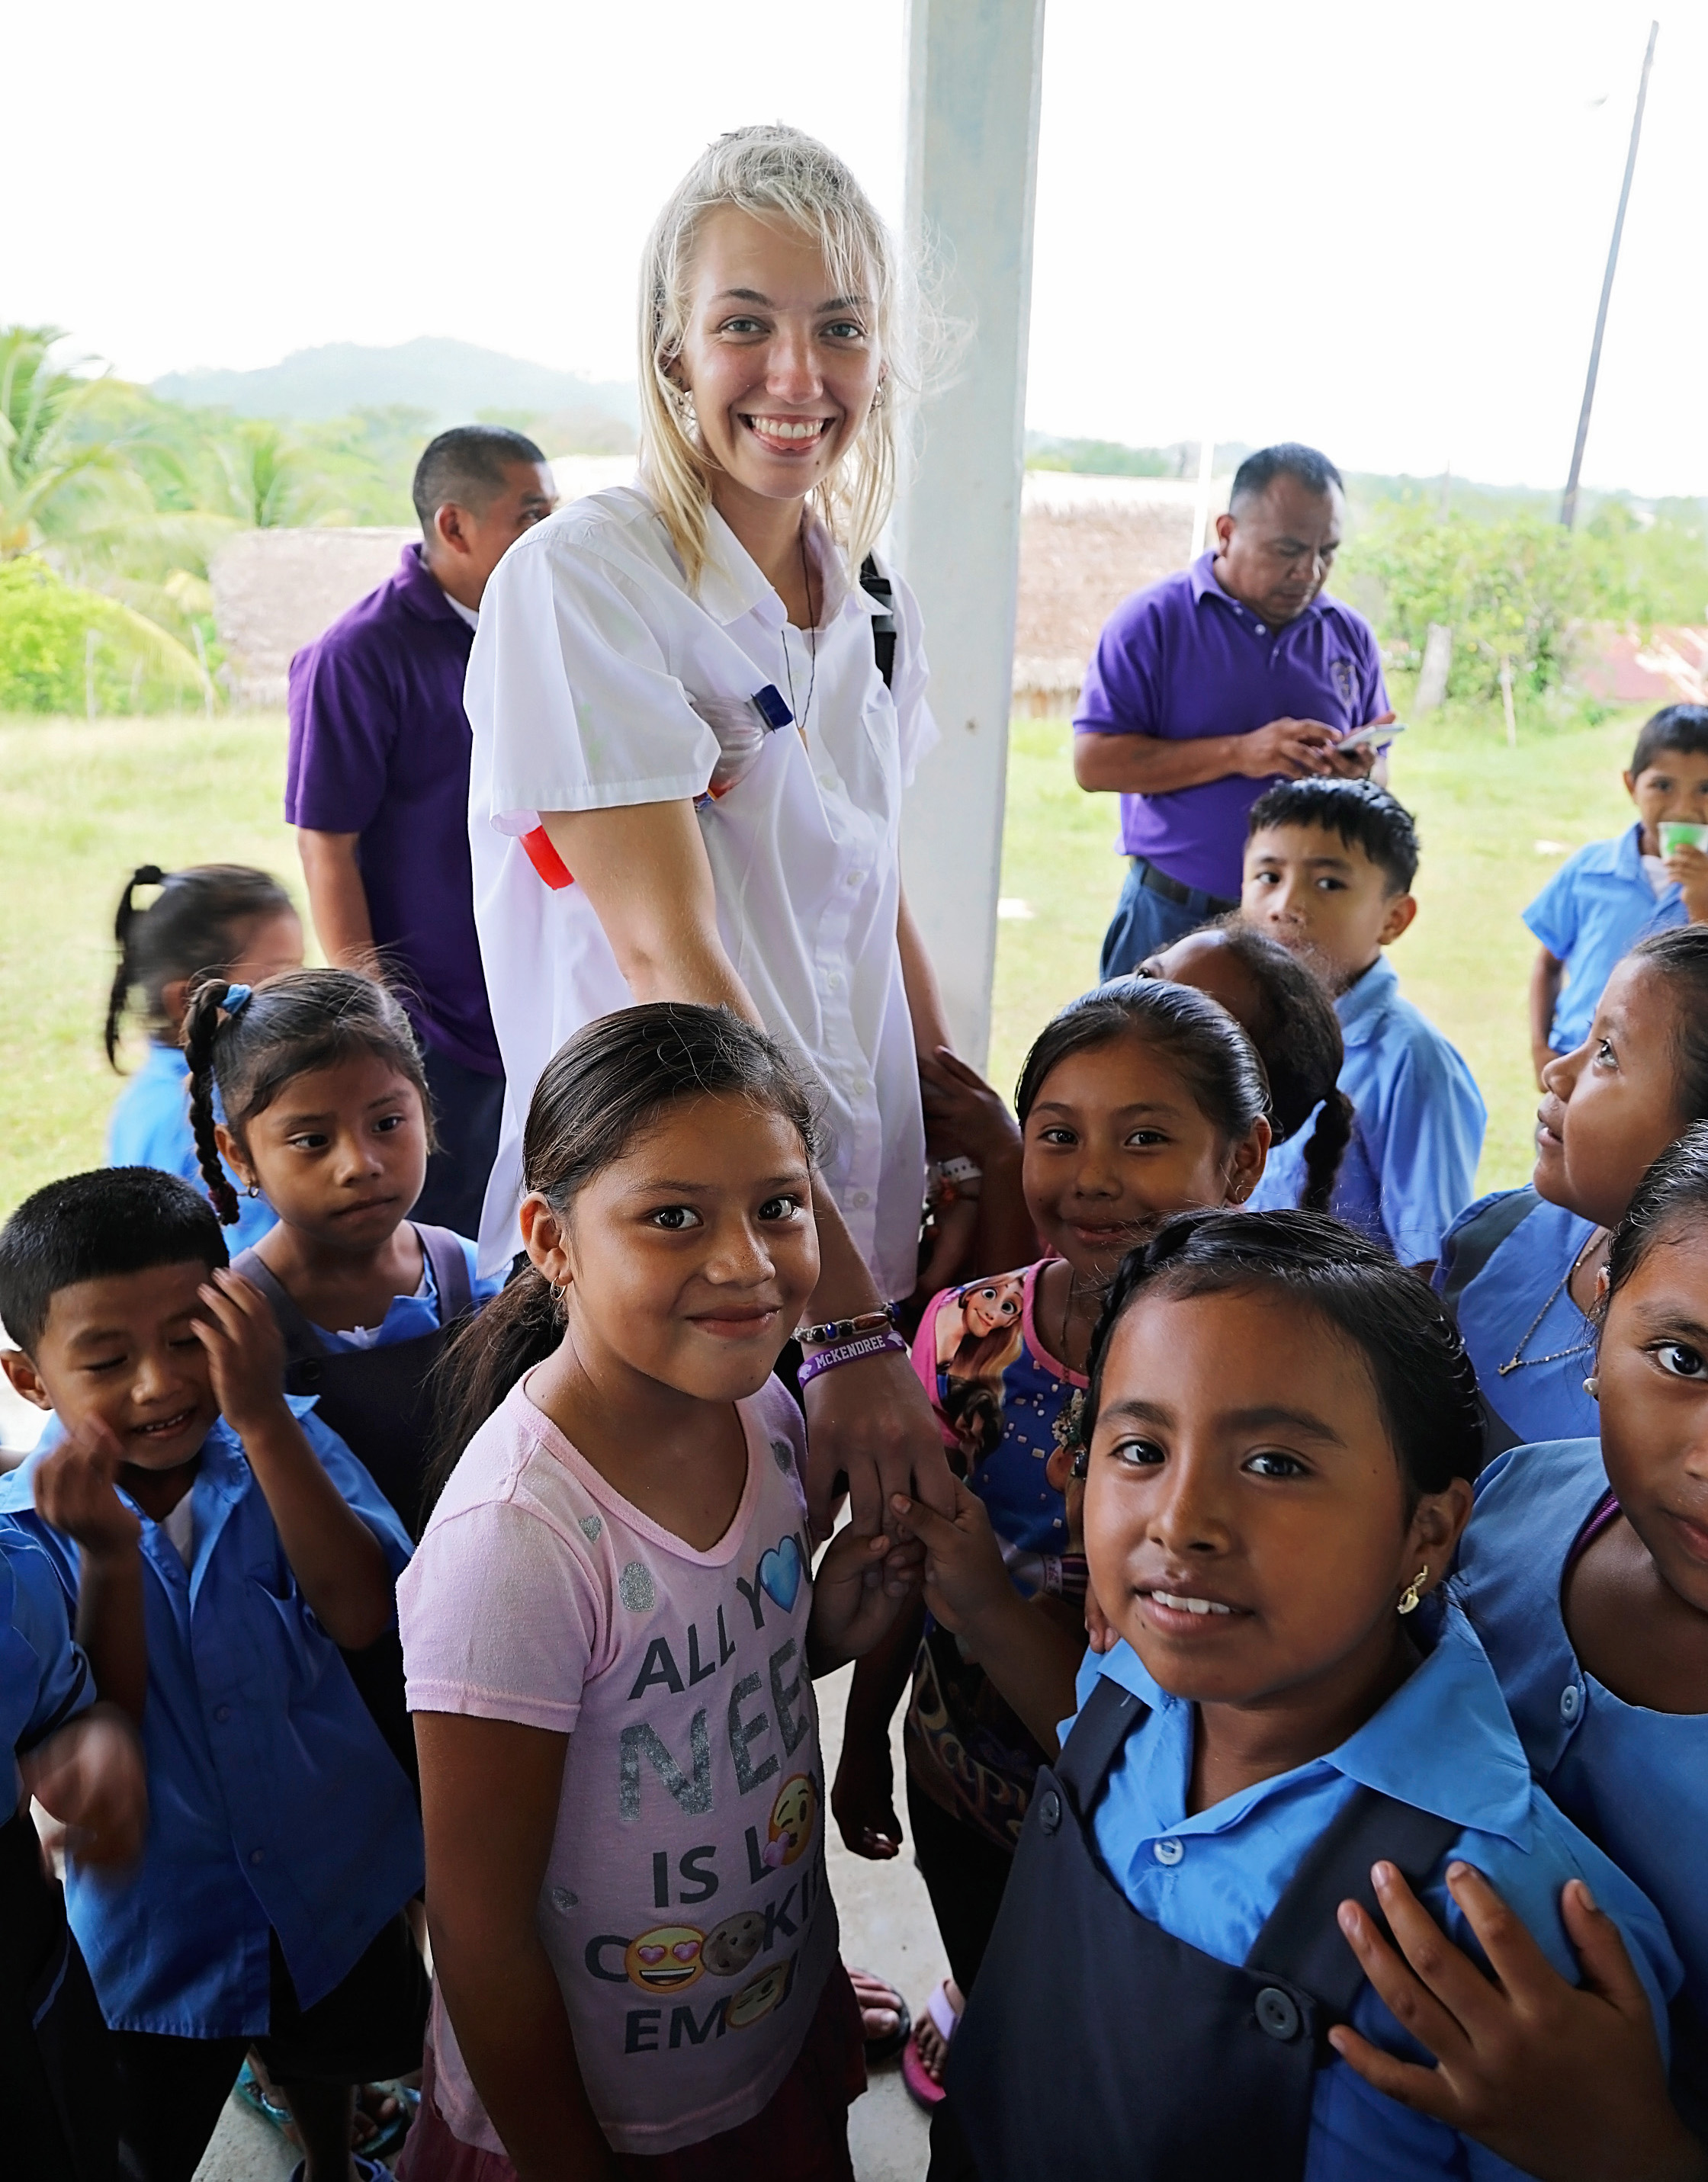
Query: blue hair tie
[237, 998]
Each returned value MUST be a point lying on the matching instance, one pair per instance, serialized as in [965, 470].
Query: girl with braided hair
[208, 919]
[309, 1089]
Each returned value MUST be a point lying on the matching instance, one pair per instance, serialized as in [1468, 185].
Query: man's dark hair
[1258, 471]
[1364, 816]
[467, 464]
[1674, 727]
[93, 1227]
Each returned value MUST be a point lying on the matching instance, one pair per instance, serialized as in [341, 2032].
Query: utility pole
[1568, 505]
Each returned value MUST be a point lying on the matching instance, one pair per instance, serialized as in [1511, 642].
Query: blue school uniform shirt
[1635, 1780]
[1543, 1398]
[1594, 909]
[45, 1681]
[274, 1801]
[408, 1317]
[1444, 1743]
[1418, 1132]
[150, 1126]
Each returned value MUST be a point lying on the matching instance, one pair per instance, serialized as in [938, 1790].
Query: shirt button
[857, 878]
[1571, 1702]
[258, 1856]
[862, 1198]
[1168, 1852]
[222, 1713]
[832, 984]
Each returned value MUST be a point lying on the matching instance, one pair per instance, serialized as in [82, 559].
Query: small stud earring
[1414, 1590]
[253, 1190]
[1592, 1387]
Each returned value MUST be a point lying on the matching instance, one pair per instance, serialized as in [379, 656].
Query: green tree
[48, 475]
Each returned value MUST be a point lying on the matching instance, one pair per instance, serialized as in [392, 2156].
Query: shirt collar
[1444, 1743]
[1361, 1005]
[419, 588]
[170, 1062]
[1202, 577]
[733, 584]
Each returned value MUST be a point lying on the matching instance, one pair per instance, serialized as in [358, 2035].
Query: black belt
[1183, 897]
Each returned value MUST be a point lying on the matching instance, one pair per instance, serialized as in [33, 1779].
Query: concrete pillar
[975, 69]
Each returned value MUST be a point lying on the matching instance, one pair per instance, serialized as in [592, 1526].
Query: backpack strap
[1107, 1717]
[1302, 1939]
[442, 1247]
[878, 585]
[1477, 1241]
[301, 1339]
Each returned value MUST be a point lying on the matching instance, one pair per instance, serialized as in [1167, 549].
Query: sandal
[259, 2101]
[889, 2043]
[368, 2170]
[946, 2021]
[387, 2134]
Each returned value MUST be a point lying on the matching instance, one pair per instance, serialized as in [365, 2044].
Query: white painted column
[974, 71]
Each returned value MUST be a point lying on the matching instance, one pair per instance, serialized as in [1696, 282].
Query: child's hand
[1688, 869]
[964, 1574]
[92, 1778]
[963, 1112]
[75, 1490]
[858, 1589]
[245, 1351]
[1565, 2081]
[863, 1798]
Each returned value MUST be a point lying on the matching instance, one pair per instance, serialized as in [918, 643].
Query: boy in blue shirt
[1604, 900]
[221, 1545]
[1328, 871]
[83, 1763]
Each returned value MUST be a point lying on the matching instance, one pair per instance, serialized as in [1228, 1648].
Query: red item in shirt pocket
[537, 847]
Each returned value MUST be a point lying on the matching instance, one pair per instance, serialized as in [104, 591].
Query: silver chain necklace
[801, 718]
[1518, 1361]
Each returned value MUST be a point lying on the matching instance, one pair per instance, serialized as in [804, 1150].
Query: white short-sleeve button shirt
[590, 660]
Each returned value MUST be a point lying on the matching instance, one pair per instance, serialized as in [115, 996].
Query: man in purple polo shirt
[377, 786]
[1215, 683]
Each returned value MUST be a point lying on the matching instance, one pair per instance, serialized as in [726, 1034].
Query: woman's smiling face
[783, 366]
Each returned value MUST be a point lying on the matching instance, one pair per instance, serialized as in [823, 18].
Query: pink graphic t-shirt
[685, 1907]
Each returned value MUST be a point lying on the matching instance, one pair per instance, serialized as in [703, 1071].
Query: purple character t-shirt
[1184, 660]
[379, 747]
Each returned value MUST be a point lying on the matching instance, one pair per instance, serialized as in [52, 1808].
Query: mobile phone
[1360, 738]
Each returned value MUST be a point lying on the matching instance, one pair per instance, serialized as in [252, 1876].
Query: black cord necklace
[812, 640]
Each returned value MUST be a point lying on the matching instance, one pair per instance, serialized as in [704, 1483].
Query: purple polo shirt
[1183, 660]
[379, 747]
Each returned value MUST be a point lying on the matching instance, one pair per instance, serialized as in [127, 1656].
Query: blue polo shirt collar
[419, 589]
[1361, 1007]
[1202, 575]
[1444, 1743]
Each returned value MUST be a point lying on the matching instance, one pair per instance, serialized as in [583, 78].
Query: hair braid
[201, 1026]
[1325, 1149]
[124, 976]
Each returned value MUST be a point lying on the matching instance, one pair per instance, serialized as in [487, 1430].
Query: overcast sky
[1376, 227]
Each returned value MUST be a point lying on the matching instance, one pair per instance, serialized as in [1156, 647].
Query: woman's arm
[919, 981]
[490, 1793]
[644, 868]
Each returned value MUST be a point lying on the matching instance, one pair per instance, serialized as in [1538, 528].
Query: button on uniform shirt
[45, 1681]
[274, 1801]
[379, 748]
[1443, 1743]
[1594, 909]
[1183, 660]
[590, 660]
[150, 1126]
[1520, 1306]
[1411, 1165]
[1635, 1780]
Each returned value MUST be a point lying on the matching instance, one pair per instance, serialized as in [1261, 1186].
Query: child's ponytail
[124, 974]
[597, 1096]
[1324, 1149]
[201, 1025]
[197, 928]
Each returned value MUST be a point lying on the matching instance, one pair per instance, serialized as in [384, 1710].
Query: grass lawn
[81, 804]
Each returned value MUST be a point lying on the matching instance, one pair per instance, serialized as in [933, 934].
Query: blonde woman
[677, 698]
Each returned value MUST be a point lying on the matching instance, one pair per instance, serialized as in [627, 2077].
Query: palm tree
[47, 472]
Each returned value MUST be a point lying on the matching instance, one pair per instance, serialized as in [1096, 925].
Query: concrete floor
[886, 1926]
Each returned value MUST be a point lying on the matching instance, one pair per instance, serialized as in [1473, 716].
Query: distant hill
[450, 381]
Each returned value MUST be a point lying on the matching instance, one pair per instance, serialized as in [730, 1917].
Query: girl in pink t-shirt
[610, 1629]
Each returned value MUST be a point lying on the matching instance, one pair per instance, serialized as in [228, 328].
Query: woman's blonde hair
[787, 178]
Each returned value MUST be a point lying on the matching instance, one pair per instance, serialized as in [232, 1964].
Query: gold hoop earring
[1414, 1590]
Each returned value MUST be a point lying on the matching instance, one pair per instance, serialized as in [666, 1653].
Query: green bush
[46, 661]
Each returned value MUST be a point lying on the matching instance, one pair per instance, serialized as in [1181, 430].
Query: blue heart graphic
[780, 1573]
